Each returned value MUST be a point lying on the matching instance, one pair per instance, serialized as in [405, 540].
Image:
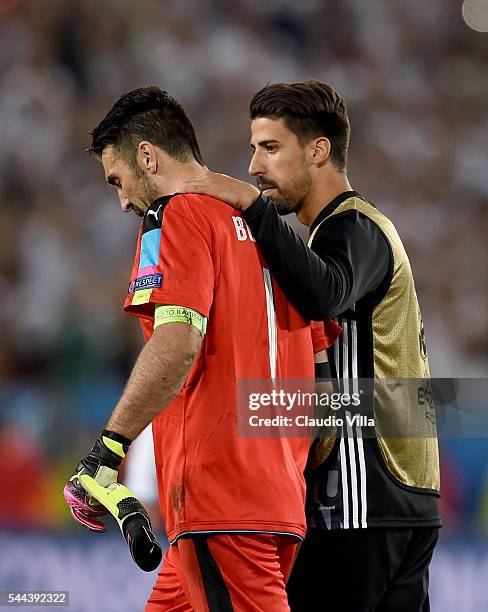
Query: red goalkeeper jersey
[195, 251]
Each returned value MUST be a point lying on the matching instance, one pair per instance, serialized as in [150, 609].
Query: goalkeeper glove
[93, 491]
[102, 463]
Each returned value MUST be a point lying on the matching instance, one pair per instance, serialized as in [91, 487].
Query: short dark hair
[147, 113]
[309, 109]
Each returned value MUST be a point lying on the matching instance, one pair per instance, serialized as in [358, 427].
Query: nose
[255, 166]
[125, 204]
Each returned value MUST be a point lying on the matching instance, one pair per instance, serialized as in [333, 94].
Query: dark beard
[282, 209]
[147, 190]
[286, 209]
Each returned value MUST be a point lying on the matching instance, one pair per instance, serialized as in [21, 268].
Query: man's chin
[284, 208]
[139, 211]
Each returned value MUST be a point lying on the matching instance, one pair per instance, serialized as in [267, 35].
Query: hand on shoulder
[239, 194]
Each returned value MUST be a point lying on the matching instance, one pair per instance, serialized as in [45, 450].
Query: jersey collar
[331, 206]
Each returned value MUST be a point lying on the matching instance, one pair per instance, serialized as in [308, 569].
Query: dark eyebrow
[265, 143]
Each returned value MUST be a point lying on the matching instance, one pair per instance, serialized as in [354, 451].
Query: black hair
[151, 114]
[309, 109]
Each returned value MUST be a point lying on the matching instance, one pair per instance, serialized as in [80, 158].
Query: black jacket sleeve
[350, 258]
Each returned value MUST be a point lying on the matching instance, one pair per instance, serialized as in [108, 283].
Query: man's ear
[147, 157]
[319, 151]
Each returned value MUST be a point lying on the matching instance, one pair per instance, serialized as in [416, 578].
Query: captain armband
[179, 314]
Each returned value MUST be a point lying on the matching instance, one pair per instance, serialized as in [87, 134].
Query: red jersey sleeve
[174, 263]
[318, 336]
[324, 334]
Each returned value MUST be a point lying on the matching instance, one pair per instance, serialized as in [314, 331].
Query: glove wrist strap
[115, 444]
[113, 435]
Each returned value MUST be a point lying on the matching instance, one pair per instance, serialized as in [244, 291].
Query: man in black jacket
[373, 501]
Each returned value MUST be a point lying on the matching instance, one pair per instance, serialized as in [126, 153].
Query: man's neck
[178, 174]
[322, 192]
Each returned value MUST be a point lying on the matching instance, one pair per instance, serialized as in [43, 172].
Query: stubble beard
[147, 192]
[292, 201]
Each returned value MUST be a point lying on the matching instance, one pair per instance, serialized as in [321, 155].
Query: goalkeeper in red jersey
[233, 507]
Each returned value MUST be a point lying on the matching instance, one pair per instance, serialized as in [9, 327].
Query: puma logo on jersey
[155, 212]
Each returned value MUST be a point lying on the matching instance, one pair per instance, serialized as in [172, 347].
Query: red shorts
[225, 573]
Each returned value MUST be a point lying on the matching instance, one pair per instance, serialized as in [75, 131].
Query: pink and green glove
[93, 492]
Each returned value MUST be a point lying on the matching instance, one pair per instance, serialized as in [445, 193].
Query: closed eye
[114, 181]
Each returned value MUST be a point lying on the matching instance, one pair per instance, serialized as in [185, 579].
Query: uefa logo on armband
[151, 281]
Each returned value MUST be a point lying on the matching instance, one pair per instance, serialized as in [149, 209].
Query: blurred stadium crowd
[414, 78]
